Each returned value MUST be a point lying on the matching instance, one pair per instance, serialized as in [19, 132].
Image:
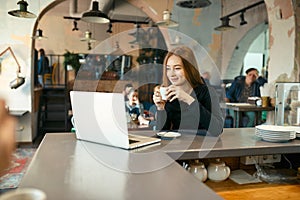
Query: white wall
[16, 33]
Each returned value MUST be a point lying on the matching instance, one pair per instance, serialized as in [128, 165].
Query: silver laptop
[101, 118]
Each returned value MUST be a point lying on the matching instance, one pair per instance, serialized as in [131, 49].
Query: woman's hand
[160, 104]
[175, 92]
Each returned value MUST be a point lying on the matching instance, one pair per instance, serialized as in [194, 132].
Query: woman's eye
[177, 68]
[168, 68]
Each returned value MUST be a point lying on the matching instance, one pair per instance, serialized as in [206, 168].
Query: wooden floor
[232, 191]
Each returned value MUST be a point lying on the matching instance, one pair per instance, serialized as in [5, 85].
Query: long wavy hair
[189, 66]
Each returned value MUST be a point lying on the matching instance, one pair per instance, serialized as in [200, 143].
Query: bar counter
[234, 142]
[66, 168]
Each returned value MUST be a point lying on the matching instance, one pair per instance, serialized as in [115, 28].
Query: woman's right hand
[160, 104]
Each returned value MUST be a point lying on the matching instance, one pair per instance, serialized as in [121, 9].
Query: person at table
[190, 104]
[243, 87]
[126, 90]
[152, 110]
[135, 109]
[7, 137]
[43, 66]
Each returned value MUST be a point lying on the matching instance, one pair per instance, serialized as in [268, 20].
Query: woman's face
[175, 72]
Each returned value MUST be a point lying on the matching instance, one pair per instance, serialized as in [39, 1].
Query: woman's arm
[206, 110]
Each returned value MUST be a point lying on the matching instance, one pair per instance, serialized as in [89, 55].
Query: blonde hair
[189, 66]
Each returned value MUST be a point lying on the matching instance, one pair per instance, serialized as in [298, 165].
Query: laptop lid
[101, 118]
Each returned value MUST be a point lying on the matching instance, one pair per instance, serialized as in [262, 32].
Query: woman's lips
[174, 79]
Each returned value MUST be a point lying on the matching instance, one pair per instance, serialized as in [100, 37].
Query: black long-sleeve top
[203, 114]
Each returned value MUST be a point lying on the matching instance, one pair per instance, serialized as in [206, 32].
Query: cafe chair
[51, 76]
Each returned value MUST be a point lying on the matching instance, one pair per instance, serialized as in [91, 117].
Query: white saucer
[168, 134]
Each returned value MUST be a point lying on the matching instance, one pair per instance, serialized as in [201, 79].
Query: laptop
[101, 118]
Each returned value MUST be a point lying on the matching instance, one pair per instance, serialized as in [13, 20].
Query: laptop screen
[100, 117]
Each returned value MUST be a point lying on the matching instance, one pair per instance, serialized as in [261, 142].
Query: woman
[190, 103]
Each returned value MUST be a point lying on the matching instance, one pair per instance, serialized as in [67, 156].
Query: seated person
[190, 104]
[152, 109]
[126, 90]
[135, 109]
[241, 88]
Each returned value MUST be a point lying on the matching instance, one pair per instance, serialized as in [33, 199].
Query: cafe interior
[102, 45]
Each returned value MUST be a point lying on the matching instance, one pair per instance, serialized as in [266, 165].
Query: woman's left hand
[175, 92]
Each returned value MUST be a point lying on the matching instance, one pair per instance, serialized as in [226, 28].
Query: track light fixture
[109, 30]
[75, 26]
[243, 21]
[225, 19]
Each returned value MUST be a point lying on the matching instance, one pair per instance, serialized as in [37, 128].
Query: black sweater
[203, 114]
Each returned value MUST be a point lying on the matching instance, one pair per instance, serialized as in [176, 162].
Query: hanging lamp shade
[22, 12]
[39, 35]
[193, 3]
[225, 25]
[88, 37]
[95, 15]
[167, 21]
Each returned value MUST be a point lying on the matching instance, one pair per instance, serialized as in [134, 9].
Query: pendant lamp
[39, 35]
[167, 21]
[95, 15]
[22, 12]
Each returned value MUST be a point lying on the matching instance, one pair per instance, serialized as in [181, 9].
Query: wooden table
[238, 108]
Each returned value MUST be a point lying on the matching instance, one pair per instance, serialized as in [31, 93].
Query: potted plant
[73, 60]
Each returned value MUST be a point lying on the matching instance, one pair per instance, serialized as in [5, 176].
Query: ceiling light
[193, 4]
[167, 21]
[177, 41]
[22, 12]
[225, 25]
[39, 35]
[95, 15]
[243, 21]
[88, 37]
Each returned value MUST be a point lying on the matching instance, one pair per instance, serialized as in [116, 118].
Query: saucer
[168, 134]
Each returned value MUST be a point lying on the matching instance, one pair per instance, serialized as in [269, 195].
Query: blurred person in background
[7, 137]
[135, 109]
[243, 87]
[126, 90]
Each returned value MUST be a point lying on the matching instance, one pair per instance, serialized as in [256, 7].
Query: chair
[51, 76]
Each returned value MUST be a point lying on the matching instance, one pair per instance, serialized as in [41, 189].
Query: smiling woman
[190, 103]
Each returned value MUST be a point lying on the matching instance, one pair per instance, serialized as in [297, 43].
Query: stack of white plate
[273, 133]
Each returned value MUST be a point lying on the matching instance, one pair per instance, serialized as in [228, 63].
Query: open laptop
[101, 118]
